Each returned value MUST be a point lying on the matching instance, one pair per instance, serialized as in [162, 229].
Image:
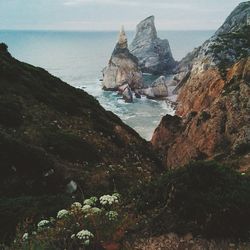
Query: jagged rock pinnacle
[122, 40]
[153, 53]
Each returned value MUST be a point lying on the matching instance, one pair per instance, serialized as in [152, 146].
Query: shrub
[90, 225]
[203, 198]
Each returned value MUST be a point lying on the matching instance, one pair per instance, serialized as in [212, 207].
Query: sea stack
[123, 67]
[153, 53]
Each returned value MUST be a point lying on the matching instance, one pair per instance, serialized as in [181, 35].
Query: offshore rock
[154, 54]
[158, 89]
[122, 68]
[126, 93]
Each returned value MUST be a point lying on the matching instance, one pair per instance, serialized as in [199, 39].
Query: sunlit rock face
[153, 53]
[213, 98]
[122, 68]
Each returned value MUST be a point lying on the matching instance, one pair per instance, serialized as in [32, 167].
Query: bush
[203, 198]
[93, 224]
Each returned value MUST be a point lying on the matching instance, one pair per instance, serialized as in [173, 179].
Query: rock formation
[122, 67]
[158, 89]
[153, 53]
[213, 101]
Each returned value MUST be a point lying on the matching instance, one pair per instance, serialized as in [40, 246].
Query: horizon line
[72, 30]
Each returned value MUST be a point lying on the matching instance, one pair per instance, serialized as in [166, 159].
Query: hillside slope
[56, 139]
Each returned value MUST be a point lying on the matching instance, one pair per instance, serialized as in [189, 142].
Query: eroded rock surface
[154, 54]
[122, 68]
[213, 100]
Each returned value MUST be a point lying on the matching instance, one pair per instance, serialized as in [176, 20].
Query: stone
[154, 54]
[126, 93]
[123, 67]
[158, 89]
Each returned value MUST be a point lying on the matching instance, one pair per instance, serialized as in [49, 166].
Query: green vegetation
[52, 134]
[203, 198]
[91, 224]
[231, 47]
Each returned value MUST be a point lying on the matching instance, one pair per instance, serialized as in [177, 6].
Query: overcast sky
[111, 14]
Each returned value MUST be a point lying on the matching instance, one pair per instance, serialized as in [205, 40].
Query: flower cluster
[93, 214]
[76, 205]
[109, 199]
[86, 208]
[95, 210]
[91, 201]
[112, 215]
[62, 213]
[43, 223]
[85, 236]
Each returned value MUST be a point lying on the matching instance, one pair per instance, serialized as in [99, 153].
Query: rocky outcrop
[213, 98]
[122, 68]
[158, 89]
[126, 93]
[153, 53]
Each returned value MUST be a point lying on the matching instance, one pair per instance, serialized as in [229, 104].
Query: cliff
[58, 140]
[213, 99]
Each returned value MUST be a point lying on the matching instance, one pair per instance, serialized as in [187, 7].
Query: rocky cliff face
[56, 139]
[153, 53]
[213, 100]
[123, 67]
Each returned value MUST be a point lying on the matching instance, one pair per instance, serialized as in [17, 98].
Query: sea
[78, 57]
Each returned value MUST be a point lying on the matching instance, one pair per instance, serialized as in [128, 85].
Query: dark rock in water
[137, 95]
[123, 67]
[153, 53]
[127, 94]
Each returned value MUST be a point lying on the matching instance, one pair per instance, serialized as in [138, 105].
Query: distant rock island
[153, 53]
[146, 54]
[123, 72]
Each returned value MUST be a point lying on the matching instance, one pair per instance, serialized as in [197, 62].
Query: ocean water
[79, 57]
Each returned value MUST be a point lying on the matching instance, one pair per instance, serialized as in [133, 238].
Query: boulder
[122, 68]
[127, 94]
[158, 89]
[154, 54]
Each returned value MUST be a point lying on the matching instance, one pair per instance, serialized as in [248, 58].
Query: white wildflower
[62, 213]
[25, 236]
[93, 199]
[95, 210]
[43, 223]
[76, 205]
[86, 208]
[85, 236]
[88, 202]
[243, 173]
[112, 215]
[108, 199]
[72, 236]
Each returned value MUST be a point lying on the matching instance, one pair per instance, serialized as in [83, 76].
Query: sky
[111, 14]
